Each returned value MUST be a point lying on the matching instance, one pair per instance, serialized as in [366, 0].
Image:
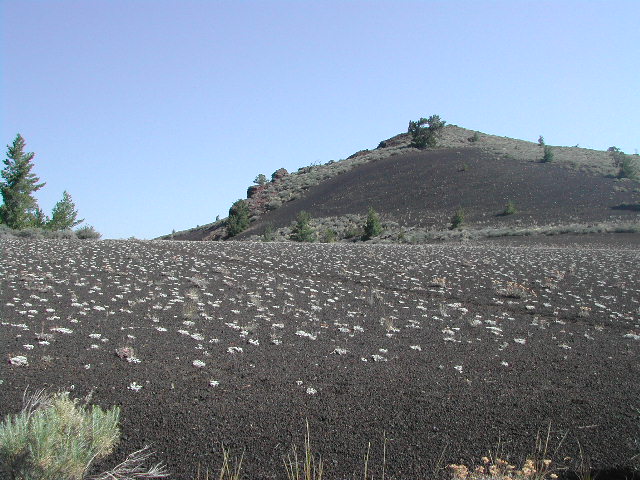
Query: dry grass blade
[230, 470]
[132, 468]
[307, 468]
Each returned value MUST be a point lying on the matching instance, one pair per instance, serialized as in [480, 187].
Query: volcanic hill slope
[416, 192]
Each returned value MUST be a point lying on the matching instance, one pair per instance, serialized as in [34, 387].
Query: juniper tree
[372, 227]
[261, 179]
[19, 208]
[238, 220]
[424, 131]
[64, 214]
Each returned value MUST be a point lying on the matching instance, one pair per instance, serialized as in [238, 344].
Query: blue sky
[157, 115]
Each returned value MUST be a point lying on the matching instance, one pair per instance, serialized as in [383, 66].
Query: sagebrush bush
[329, 236]
[458, 219]
[510, 209]
[87, 233]
[547, 157]
[34, 233]
[55, 437]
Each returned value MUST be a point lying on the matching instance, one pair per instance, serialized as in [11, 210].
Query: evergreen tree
[64, 215]
[302, 231]
[19, 209]
[372, 227]
[238, 220]
[38, 219]
[424, 131]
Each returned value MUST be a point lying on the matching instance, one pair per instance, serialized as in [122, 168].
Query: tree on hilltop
[424, 131]
[19, 209]
[64, 215]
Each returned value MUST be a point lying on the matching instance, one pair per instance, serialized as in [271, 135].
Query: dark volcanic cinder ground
[358, 339]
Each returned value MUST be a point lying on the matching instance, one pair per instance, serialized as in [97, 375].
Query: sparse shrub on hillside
[273, 204]
[474, 138]
[352, 232]
[329, 236]
[302, 231]
[238, 220]
[424, 131]
[261, 179]
[55, 437]
[30, 232]
[372, 227]
[547, 157]
[64, 215]
[627, 166]
[382, 144]
[87, 233]
[269, 233]
[278, 174]
[630, 168]
[458, 219]
[510, 209]
[67, 234]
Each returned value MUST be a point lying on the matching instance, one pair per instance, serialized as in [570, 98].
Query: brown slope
[423, 189]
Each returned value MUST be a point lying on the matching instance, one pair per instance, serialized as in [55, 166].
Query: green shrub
[510, 208]
[54, 438]
[425, 136]
[238, 220]
[458, 219]
[87, 233]
[474, 138]
[372, 227]
[269, 233]
[628, 167]
[302, 231]
[329, 236]
[548, 155]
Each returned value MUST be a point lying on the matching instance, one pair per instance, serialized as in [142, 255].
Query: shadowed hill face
[424, 189]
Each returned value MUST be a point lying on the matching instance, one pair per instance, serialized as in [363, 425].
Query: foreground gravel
[446, 351]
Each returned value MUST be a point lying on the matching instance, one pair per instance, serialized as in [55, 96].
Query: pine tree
[38, 219]
[373, 227]
[64, 215]
[19, 209]
[302, 231]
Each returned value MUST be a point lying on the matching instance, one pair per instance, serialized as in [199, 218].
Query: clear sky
[157, 115]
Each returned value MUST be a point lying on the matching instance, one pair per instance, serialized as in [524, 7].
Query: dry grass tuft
[307, 468]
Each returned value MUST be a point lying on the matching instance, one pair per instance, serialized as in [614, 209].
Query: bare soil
[447, 350]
